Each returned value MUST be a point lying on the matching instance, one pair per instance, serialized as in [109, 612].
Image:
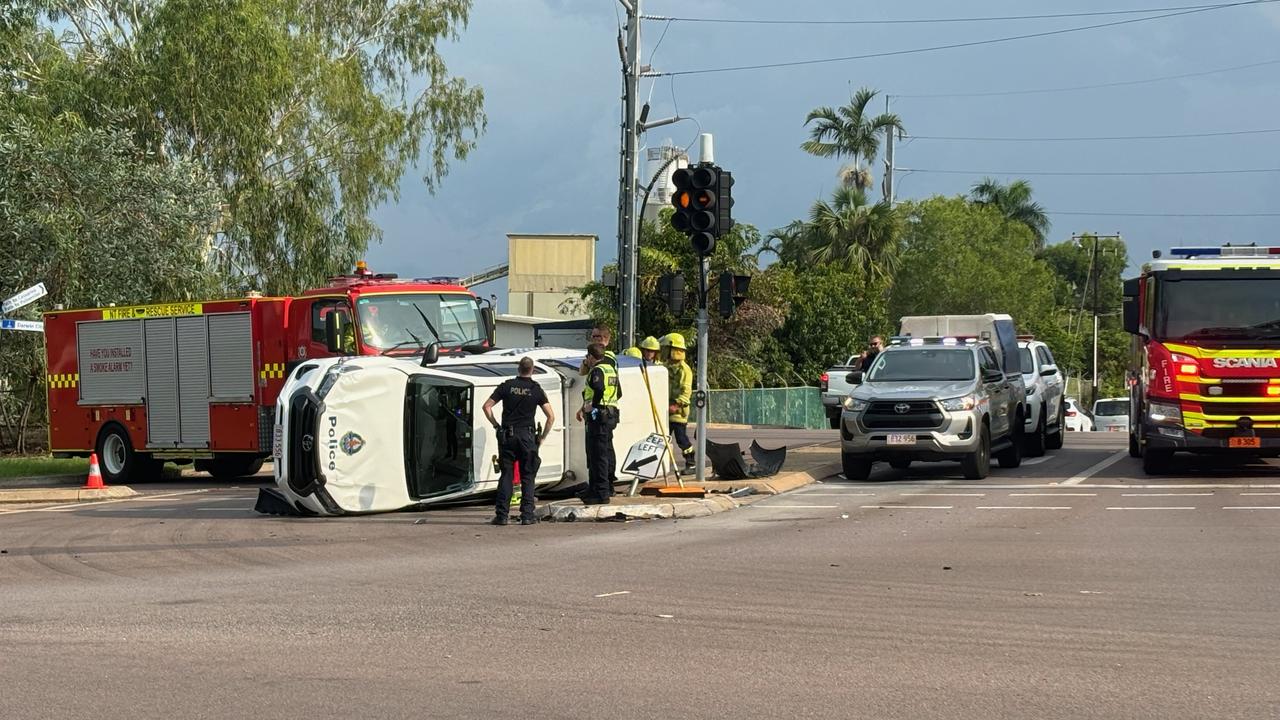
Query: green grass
[33, 465]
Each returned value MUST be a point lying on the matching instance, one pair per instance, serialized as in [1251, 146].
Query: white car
[378, 434]
[1045, 409]
[1111, 415]
[1076, 420]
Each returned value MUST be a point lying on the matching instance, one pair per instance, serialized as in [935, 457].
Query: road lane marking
[1037, 461]
[1024, 507]
[1166, 494]
[934, 494]
[1099, 467]
[1269, 493]
[907, 507]
[815, 494]
[1152, 508]
[1252, 507]
[1053, 494]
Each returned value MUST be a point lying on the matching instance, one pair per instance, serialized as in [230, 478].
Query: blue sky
[550, 71]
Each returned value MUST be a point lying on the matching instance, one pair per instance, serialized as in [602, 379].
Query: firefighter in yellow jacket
[680, 394]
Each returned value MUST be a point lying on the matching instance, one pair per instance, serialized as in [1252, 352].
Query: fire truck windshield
[1218, 309]
[390, 320]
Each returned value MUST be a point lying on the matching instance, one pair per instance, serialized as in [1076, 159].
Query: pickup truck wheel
[1156, 462]
[1011, 457]
[835, 421]
[1038, 439]
[856, 467]
[977, 464]
[1053, 441]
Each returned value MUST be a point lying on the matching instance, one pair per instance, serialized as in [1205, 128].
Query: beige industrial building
[544, 270]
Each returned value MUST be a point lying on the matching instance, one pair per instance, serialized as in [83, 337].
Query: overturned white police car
[376, 434]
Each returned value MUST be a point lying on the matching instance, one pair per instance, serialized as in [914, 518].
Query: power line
[1224, 133]
[926, 21]
[1074, 88]
[1163, 214]
[953, 46]
[1091, 173]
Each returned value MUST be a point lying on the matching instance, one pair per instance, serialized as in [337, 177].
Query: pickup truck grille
[885, 415]
[303, 427]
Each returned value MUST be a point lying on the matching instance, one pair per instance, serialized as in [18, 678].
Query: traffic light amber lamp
[702, 202]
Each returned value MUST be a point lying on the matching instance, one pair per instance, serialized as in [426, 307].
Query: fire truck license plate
[901, 439]
[279, 440]
[1244, 442]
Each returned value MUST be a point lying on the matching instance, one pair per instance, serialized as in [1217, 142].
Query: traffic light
[671, 288]
[733, 291]
[702, 200]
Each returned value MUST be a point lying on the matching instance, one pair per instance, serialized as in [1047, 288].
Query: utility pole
[1094, 271]
[888, 158]
[627, 221]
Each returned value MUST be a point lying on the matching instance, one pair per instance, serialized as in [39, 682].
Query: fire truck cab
[197, 382]
[1205, 369]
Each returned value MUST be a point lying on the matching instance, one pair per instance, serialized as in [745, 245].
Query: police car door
[551, 452]
[998, 391]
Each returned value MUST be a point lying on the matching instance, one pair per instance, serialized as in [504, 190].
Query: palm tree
[785, 243]
[849, 131]
[1015, 203]
[851, 232]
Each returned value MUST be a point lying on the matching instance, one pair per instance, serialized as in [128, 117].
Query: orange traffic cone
[95, 475]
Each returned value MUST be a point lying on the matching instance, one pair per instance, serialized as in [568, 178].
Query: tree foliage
[1015, 203]
[306, 112]
[850, 131]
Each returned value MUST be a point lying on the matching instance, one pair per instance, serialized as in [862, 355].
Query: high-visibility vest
[612, 390]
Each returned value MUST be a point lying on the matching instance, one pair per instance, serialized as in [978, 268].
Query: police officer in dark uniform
[600, 413]
[518, 440]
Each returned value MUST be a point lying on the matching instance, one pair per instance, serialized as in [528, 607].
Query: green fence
[797, 407]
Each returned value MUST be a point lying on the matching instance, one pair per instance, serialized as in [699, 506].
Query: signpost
[24, 298]
[28, 325]
[645, 457]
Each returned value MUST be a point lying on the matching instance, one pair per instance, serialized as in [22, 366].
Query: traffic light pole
[701, 395]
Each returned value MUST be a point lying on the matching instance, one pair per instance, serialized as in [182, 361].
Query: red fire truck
[197, 382]
[1205, 369]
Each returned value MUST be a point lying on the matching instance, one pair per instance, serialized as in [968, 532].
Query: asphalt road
[1073, 587]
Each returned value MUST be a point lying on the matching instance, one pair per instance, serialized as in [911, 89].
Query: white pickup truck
[834, 388]
[377, 434]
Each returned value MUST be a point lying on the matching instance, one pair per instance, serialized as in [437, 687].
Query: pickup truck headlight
[854, 405]
[1164, 412]
[966, 402]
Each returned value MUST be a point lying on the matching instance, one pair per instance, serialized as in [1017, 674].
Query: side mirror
[854, 378]
[1131, 309]
[431, 354]
[333, 323]
[1049, 371]
[490, 325]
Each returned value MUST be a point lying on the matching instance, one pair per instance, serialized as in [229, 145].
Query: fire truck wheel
[227, 468]
[116, 459]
